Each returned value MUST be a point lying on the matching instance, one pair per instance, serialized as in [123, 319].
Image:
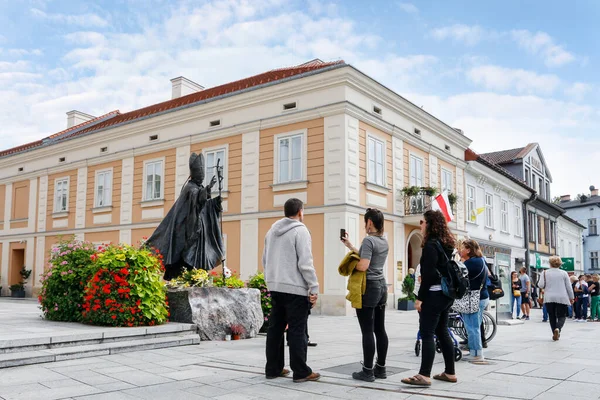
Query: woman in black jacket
[432, 304]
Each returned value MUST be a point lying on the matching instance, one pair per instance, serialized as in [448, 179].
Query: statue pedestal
[214, 310]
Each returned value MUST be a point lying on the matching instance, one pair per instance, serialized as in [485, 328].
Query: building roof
[508, 156]
[62, 135]
[565, 216]
[589, 201]
[116, 118]
[470, 155]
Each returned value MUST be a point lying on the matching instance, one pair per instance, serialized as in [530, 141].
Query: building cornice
[498, 179]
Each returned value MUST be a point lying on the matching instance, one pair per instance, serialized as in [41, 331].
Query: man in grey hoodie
[292, 281]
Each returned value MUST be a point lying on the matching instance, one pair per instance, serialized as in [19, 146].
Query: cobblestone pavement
[524, 364]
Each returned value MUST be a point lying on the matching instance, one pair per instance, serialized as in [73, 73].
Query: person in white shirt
[582, 292]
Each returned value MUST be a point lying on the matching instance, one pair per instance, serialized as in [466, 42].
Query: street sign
[568, 264]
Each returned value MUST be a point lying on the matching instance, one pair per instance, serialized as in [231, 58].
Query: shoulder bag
[469, 303]
[540, 299]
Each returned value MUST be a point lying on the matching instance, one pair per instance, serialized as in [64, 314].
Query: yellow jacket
[357, 283]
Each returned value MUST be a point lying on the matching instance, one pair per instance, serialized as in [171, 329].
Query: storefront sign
[568, 264]
[540, 261]
[490, 250]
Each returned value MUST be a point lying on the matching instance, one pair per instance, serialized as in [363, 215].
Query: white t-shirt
[579, 286]
[417, 279]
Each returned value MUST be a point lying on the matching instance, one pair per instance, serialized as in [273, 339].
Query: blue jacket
[478, 275]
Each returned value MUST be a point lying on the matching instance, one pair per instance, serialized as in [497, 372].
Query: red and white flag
[442, 204]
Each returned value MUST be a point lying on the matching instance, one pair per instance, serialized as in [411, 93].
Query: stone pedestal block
[215, 310]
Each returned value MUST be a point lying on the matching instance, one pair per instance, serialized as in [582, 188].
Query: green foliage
[190, 278]
[63, 283]
[258, 282]
[127, 288]
[411, 191]
[232, 282]
[408, 288]
[452, 198]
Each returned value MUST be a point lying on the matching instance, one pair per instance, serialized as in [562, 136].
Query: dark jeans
[291, 310]
[582, 307]
[557, 314]
[371, 318]
[433, 320]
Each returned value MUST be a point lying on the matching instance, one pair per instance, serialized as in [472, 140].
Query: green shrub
[258, 282]
[232, 282]
[127, 288]
[408, 288]
[65, 279]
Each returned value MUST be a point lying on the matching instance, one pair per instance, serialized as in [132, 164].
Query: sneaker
[315, 376]
[366, 375]
[544, 320]
[312, 344]
[556, 335]
[284, 372]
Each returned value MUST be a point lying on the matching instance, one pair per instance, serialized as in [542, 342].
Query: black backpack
[456, 284]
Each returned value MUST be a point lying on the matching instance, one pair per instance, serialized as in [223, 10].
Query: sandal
[444, 378]
[416, 380]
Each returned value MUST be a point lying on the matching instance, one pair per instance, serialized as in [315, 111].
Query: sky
[506, 73]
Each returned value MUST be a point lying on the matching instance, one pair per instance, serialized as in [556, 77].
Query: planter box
[214, 310]
[406, 305]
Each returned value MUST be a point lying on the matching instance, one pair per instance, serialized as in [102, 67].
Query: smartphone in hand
[342, 234]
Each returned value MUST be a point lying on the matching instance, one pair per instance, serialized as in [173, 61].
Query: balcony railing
[418, 203]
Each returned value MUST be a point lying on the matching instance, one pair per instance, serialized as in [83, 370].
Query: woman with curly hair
[432, 304]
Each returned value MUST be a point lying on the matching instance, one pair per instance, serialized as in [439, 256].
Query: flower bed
[258, 282]
[126, 289]
[65, 279]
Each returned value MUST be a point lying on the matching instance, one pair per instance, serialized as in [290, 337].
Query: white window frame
[145, 183]
[447, 175]
[216, 149]
[471, 204]
[383, 163]
[67, 181]
[593, 256]
[595, 225]
[504, 216]
[108, 203]
[489, 211]
[288, 135]
[417, 160]
[518, 221]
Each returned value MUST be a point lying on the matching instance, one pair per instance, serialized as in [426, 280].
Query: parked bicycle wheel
[489, 325]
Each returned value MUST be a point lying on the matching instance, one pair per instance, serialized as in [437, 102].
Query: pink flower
[266, 319]
[64, 263]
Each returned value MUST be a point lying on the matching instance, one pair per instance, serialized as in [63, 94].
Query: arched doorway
[413, 251]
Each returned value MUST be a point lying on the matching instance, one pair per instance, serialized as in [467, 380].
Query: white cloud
[541, 43]
[24, 52]
[469, 35]
[408, 8]
[506, 79]
[87, 20]
[578, 90]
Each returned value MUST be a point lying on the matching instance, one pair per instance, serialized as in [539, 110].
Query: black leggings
[433, 320]
[372, 326]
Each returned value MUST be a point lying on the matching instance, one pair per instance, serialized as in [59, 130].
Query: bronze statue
[190, 235]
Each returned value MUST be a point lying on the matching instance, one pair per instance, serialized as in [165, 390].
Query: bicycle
[457, 325]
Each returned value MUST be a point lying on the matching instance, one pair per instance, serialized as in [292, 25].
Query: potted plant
[407, 303]
[410, 191]
[452, 198]
[237, 331]
[430, 191]
[18, 289]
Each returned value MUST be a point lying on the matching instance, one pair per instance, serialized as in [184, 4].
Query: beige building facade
[322, 132]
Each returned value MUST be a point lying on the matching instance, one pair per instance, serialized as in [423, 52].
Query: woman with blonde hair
[558, 295]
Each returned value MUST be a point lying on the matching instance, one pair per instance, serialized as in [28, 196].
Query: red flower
[113, 316]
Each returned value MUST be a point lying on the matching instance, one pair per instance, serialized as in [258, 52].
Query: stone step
[97, 335]
[93, 350]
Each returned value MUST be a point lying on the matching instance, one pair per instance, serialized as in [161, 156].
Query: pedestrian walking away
[291, 278]
[594, 292]
[478, 274]
[515, 294]
[558, 295]
[371, 316]
[432, 304]
[525, 293]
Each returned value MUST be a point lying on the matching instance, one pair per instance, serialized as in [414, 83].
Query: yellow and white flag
[475, 213]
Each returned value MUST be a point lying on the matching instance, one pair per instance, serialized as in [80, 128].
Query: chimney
[593, 191]
[565, 198]
[77, 117]
[182, 86]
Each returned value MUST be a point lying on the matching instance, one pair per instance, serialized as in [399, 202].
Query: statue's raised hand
[212, 182]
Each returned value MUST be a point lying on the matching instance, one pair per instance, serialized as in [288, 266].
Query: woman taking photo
[371, 317]
[515, 294]
[558, 295]
[478, 273]
[433, 305]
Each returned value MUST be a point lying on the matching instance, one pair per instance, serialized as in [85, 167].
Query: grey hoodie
[287, 259]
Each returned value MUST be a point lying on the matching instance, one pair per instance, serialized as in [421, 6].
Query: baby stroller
[438, 347]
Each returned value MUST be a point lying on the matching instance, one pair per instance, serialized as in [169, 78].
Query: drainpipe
[526, 231]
